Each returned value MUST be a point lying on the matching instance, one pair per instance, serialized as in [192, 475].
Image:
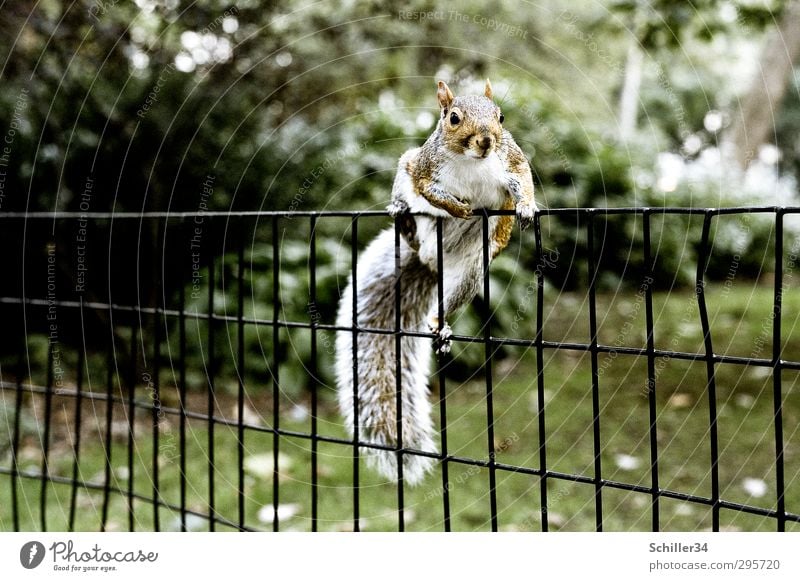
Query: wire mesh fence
[154, 385]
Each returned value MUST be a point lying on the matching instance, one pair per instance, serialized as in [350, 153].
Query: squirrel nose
[486, 142]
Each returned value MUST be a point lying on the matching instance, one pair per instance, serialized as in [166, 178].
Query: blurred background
[165, 105]
[617, 103]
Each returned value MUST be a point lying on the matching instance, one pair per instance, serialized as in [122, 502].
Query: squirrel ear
[444, 94]
[488, 90]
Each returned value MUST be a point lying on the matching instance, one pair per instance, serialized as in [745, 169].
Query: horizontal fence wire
[145, 349]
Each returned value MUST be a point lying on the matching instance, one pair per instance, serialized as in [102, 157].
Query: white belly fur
[475, 181]
[479, 182]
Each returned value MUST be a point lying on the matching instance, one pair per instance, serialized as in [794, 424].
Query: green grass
[741, 326]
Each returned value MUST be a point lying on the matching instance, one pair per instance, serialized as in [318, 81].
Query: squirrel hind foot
[442, 342]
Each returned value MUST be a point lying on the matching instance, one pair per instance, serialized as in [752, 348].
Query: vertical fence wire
[108, 461]
[356, 411]
[131, 408]
[155, 388]
[48, 412]
[76, 451]
[539, 341]
[488, 354]
[398, 375]
[440, 375]
[649, 268]
[15, 468]
[109, 380]
[597, 448]
[276, 383]
[240, 362]
[711, 386]
[78, 419]
[211, 396]
[182, 239]
[315, 382]
[777, 396]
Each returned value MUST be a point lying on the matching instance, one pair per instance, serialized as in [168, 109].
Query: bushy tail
[376, 359]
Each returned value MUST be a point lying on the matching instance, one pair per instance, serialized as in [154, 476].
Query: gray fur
[463, 252]
[377, 358]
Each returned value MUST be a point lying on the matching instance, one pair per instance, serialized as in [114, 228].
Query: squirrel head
[471, 126]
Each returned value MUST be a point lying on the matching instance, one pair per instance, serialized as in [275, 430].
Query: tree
[754, 121]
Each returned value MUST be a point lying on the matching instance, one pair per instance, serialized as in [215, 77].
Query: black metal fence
[124, 320]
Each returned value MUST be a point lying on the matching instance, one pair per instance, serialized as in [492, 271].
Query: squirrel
[470, 162]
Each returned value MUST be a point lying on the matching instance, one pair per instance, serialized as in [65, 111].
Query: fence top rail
[650, 210]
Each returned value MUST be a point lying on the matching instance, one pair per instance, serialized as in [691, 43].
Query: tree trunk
[754, 120]
[629, 98]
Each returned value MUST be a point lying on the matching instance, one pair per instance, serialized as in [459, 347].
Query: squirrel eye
[454, 118]
[502, 117]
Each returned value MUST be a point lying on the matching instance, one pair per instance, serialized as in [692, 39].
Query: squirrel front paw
[525, 212]
[441, 342]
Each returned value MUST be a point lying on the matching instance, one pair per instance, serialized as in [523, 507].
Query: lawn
[741, 325]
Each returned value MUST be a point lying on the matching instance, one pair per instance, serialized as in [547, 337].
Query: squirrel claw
[525, 214]
[463, 212]
[442, 342]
